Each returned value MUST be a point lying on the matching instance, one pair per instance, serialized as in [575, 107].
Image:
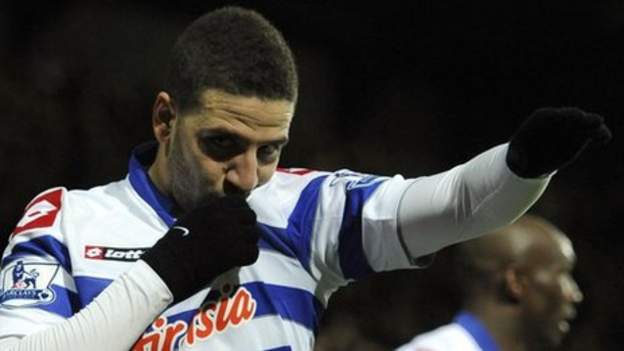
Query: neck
[158, 174]
[502, 322]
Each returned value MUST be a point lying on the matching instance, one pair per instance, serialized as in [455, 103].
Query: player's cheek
[211, 171]
[265, 172]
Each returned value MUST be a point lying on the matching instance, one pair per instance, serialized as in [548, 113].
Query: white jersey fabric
[466, 333]
[71, 276]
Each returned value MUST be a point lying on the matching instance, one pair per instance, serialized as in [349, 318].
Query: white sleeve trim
[113, 321]
[464, 202]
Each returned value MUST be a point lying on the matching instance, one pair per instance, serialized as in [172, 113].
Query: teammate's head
[524, 269]
[226, 110]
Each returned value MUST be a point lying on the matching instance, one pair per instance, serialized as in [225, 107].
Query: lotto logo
[41, 212]
[94, 252]
[113, 254]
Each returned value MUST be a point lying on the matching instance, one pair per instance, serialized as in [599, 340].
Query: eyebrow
[208, 132]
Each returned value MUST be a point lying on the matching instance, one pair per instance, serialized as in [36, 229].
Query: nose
[242, 173]
[573, 292]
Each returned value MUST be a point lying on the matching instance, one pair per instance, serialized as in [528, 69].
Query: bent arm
[113, 321]
[463, 203]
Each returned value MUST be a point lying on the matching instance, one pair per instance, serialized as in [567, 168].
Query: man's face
[228, 146]
[552, 292]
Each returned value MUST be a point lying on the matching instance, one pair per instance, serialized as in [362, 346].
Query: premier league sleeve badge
[25, 284]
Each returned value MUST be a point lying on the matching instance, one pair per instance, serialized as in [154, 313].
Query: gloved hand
[206, 242]
[552, 138]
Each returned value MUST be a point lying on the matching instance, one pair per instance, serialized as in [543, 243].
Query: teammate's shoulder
[447, 337]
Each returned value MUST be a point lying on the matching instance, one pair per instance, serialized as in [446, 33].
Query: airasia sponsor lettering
[215, 318]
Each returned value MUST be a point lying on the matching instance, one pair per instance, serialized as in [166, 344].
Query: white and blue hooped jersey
[466, 333]
[320, 230]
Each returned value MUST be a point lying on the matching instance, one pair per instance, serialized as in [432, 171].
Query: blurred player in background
[519, 293]
[342, 333]
[205, 245]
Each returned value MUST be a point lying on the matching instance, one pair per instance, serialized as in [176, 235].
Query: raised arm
[499, 185]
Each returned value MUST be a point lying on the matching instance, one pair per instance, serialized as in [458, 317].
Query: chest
[267, 305]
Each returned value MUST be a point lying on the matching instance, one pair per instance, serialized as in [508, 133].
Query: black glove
[551, 138]
[206, 242]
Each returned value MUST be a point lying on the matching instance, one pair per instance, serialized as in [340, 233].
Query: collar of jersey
[477, 330]
[142, 157]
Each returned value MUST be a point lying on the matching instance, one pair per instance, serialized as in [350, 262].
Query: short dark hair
[235, 50]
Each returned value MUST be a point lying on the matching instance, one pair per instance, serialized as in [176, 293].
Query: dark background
[391, 87]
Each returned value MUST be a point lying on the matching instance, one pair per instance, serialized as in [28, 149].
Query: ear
[514, 284]
[163, 117]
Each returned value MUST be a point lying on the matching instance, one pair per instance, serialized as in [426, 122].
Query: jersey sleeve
[36, 286]
[355, 226]
[321, 222]
[465, 202]
[365, 223]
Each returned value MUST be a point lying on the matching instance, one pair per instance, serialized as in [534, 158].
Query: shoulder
[277, 199]
[41, 212]
[305, 189]
[292, 182]
[448, 337]
[47, 210]
[106, 197]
